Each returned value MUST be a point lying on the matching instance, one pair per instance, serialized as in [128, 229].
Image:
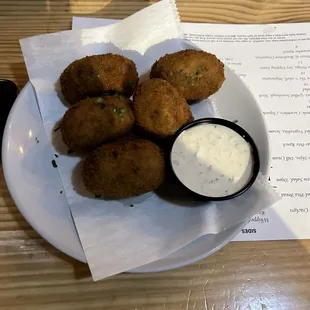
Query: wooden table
[36, 276]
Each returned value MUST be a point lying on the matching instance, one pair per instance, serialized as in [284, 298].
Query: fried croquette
[195, 74]
[124, 168]
[159, 109]
[94, 121]
[95, 75]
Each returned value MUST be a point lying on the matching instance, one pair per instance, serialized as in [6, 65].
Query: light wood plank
[36, 276]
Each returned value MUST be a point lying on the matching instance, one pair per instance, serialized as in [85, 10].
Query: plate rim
[7, 177]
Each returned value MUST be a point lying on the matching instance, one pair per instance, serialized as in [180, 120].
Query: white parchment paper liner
[115, 237]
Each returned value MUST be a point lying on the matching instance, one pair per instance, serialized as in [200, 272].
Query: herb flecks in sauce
[214, 160]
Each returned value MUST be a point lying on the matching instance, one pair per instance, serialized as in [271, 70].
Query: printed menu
[274, 61]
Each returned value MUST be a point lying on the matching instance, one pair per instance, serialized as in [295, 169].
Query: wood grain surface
[247, 275]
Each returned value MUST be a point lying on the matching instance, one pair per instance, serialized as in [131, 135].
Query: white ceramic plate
[37, 189]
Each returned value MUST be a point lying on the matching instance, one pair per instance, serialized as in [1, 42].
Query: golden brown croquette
[94, 121]
[124, 168]
[95, 75]
[159, 109]
[195, 74]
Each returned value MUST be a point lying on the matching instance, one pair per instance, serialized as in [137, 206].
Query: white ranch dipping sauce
[212, 160]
